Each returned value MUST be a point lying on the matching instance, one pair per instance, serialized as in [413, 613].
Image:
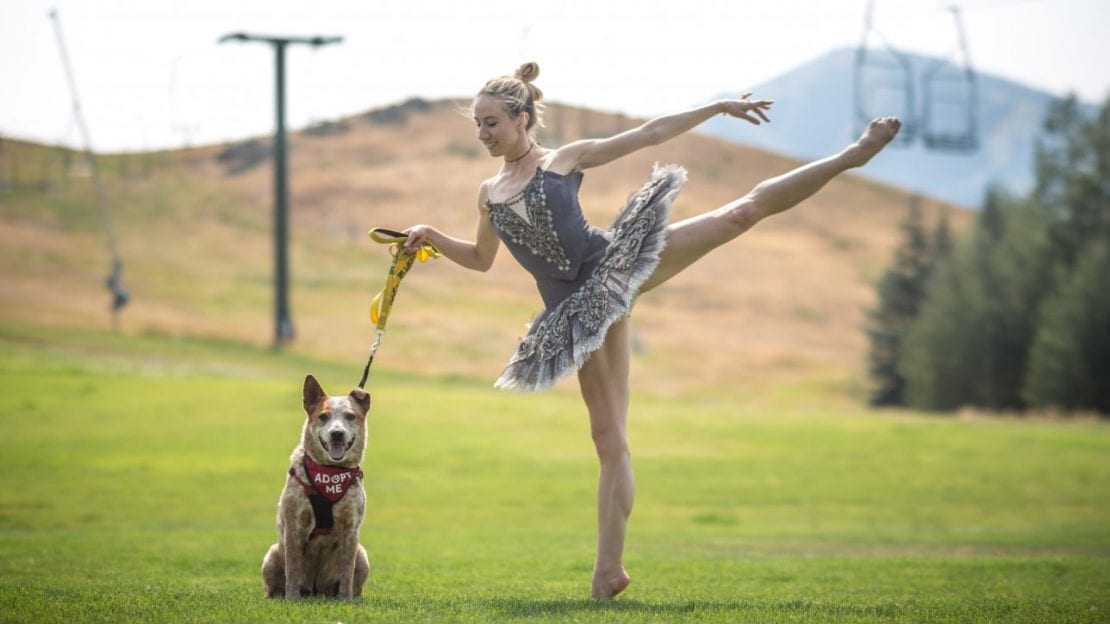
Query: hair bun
[527, 72]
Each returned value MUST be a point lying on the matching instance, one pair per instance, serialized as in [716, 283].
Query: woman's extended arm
[477, 255]
[595, 152]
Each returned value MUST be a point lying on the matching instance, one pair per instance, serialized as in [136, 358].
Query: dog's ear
[361, 399]
[313, 394]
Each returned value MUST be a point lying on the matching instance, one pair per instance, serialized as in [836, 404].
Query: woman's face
[496, 130]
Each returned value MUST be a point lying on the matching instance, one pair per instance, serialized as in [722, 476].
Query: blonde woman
[588, 278]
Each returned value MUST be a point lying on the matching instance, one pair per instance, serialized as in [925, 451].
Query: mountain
[813, 117]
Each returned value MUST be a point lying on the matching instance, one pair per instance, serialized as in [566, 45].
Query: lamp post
[283, 321]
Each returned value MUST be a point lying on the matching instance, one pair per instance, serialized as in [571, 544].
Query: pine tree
[942, 239]
[1069, 365]
[900, 291]
[1073, 177]
[969, 344]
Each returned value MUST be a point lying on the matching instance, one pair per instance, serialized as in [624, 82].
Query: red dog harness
[326, 486]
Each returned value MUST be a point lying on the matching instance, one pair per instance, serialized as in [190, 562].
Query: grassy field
[143, 469]
[142, 476]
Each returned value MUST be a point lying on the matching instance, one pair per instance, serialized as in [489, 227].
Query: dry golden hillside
[781, 307]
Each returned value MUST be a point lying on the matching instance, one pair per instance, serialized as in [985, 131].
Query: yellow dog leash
[383, 301]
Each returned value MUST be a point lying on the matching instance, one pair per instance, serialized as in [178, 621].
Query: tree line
[1016, 314]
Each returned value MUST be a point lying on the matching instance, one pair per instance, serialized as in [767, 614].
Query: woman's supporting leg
[603, 380]
[692, 238]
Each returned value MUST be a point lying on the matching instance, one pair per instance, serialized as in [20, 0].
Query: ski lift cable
[942, 6]
[114, 281]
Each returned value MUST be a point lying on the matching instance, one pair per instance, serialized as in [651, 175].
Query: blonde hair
[517, 93]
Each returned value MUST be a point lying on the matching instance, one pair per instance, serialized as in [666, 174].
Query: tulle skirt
[562, 337]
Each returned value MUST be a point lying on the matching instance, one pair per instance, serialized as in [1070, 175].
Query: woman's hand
[418, 235]
[743, 108]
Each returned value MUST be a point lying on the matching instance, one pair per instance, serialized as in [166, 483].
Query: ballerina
[589, 278]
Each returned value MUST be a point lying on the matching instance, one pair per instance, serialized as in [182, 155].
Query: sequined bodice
[552, 239]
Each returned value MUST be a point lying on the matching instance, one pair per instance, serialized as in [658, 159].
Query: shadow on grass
[525, 608]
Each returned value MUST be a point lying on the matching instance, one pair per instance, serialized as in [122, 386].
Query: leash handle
[387, 236]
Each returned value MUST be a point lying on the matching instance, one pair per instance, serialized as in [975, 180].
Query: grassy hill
[776, 315]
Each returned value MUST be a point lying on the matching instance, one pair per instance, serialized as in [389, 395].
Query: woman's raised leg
[692, 238]
[603, 380]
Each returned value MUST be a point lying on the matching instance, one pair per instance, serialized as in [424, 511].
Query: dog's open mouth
[337, 448]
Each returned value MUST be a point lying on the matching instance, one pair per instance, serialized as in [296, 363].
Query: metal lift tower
[283, 321]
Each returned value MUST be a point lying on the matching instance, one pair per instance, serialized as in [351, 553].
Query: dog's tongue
[337, 450]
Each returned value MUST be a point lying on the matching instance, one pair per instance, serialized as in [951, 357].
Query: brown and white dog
[323, 502]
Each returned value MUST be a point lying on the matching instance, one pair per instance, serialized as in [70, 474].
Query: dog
[322, 505]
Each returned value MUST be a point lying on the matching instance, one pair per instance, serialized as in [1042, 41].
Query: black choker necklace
[521, 156]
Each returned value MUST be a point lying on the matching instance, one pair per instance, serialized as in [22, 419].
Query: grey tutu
[562, 337]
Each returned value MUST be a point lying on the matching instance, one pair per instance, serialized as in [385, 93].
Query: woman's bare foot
[878, 133]
[606, 587]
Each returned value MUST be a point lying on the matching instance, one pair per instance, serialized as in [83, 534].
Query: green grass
[142, 476]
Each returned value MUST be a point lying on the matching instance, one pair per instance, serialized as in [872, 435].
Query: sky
[150, 74]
